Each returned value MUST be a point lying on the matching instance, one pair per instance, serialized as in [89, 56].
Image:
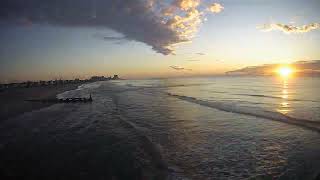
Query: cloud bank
[159, 24]
[303, 68]
[290, 28]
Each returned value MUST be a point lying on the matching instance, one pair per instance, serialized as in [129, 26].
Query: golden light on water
[284, 105]
[285, 71]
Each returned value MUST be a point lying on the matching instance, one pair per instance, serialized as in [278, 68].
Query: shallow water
[185, 128]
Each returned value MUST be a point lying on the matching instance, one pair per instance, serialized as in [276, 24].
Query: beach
[13, 100]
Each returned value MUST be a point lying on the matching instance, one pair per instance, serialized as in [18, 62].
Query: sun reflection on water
[284, 106]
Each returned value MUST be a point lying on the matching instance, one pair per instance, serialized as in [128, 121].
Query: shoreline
[13, 101]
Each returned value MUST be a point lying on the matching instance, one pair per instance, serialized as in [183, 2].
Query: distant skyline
[43, 40]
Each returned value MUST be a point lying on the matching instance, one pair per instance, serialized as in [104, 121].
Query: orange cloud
[215, 8]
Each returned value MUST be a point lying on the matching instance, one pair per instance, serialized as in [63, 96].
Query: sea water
[178, 128]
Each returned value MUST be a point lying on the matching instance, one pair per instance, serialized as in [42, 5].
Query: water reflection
[284, 106]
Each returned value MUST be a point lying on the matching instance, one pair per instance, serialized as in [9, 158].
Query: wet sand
[13, 100]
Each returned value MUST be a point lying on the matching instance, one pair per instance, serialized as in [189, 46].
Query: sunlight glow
[285, 71]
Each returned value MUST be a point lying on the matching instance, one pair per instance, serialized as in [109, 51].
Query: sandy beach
[13, 100]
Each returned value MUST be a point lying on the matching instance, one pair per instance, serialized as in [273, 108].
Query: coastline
[13, 100]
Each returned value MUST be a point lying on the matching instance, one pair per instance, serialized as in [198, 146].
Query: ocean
[179, 128]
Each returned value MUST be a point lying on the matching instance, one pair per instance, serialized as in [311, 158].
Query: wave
[217, 92]
[82, 87]
[274, 97]
[154, 150]
[259, 95]
[252, 111]
[91, 85]
[156, 86]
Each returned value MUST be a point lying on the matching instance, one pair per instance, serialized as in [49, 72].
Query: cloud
[201, 54]
[135, 19]
[290, 28]
[193, 60]
[186, 4]
[215, 8]
[178, 68]
[159, 24]
[183, 5]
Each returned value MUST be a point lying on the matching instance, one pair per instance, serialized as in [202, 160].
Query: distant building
[115, 77]
[77, 80]
[43, 83]
[98, 78]
[56, 82]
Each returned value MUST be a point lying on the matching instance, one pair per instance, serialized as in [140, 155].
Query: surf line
[312, 125]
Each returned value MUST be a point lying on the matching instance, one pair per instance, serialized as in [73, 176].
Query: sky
[41, 40]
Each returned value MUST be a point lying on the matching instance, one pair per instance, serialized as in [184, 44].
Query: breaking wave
[273, 97]
[252, 111]
[81, 89]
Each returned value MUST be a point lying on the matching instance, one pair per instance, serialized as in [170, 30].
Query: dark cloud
[138, 20]
[178, 68]
[130, 17]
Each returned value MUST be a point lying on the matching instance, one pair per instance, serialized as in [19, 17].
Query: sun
[285, 71]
